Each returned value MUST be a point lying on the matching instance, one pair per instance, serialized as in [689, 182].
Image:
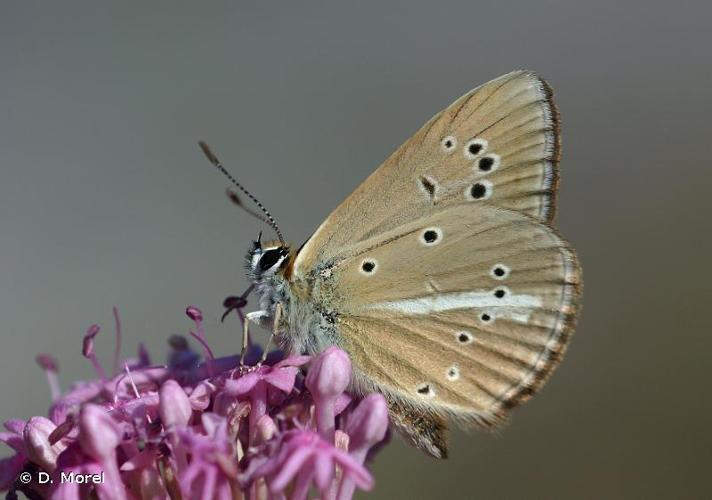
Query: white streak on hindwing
[515, 306]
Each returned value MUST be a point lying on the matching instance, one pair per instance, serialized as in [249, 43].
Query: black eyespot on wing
[486, 163]
[427, 185]
[430, 236]
[474, 148]
[478, 190]
[485, 317]
[498, 271]
[423, 389]
[499, 293]
[270, 258]
[463, 337]
[368, 266]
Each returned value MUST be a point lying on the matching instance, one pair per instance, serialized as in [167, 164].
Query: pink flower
[256, 382]
[304, 456]
[328, 378]
[212, 472]
[198, 430]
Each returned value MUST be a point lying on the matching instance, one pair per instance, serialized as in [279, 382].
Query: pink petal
[290, 468]
[323, 471]
[211, 423]
[140, 460]
[368, 423]
[200, 397]
[14, 441]
[242, 385]
[342, 402]
[174, 406]
[283, 378]
[99, 434]
[40, 451]
[209, 477]
[293, 361]
[15, 425]
[354, 470]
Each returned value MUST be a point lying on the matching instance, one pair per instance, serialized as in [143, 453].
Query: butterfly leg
[255, 317]
[275, 326]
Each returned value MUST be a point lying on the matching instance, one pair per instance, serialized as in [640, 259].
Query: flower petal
[242, 385]
[293, 361]
[282, 378]
[140, 460]
[15, 425]
[289, 469]
[174, 406]
[323, 471]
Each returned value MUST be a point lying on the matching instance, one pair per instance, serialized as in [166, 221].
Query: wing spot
[425, 390]
[479, 190]
[453, 373]
[464, 337]
[448, 143]
[499, 271]
[431, 236]
[488, 163]
[368, 267]
[500, 293]
[428, 186]
[474, 147]
[486, 317]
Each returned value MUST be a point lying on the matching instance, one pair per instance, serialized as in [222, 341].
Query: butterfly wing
[498, 144]
[440, 274]
[462, 312]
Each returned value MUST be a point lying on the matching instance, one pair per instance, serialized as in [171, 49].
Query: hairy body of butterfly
[440, 275]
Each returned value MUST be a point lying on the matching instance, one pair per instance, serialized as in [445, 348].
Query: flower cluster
[197, 429]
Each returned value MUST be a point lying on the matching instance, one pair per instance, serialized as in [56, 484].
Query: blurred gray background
[106, 200]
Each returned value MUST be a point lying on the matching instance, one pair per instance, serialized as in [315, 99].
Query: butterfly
[440, 275]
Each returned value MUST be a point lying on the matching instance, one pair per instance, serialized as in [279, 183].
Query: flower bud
[174, 406]
[194, 313]
[88, 343]
[330, 374]
[99, 434]
[368, 423]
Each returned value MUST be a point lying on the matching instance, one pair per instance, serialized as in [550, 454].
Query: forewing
[497, 145]
[464, 312]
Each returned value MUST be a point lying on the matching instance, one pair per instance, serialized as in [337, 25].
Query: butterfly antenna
[232, 195]
[214, 160]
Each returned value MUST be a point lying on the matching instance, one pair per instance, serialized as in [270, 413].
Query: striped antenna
[214, 160]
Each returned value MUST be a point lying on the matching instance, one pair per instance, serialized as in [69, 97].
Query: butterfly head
[264, 260]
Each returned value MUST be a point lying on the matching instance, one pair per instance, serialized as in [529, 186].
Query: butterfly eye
[474, 147]
[270, 258]
[488, 163]
[448, 143]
